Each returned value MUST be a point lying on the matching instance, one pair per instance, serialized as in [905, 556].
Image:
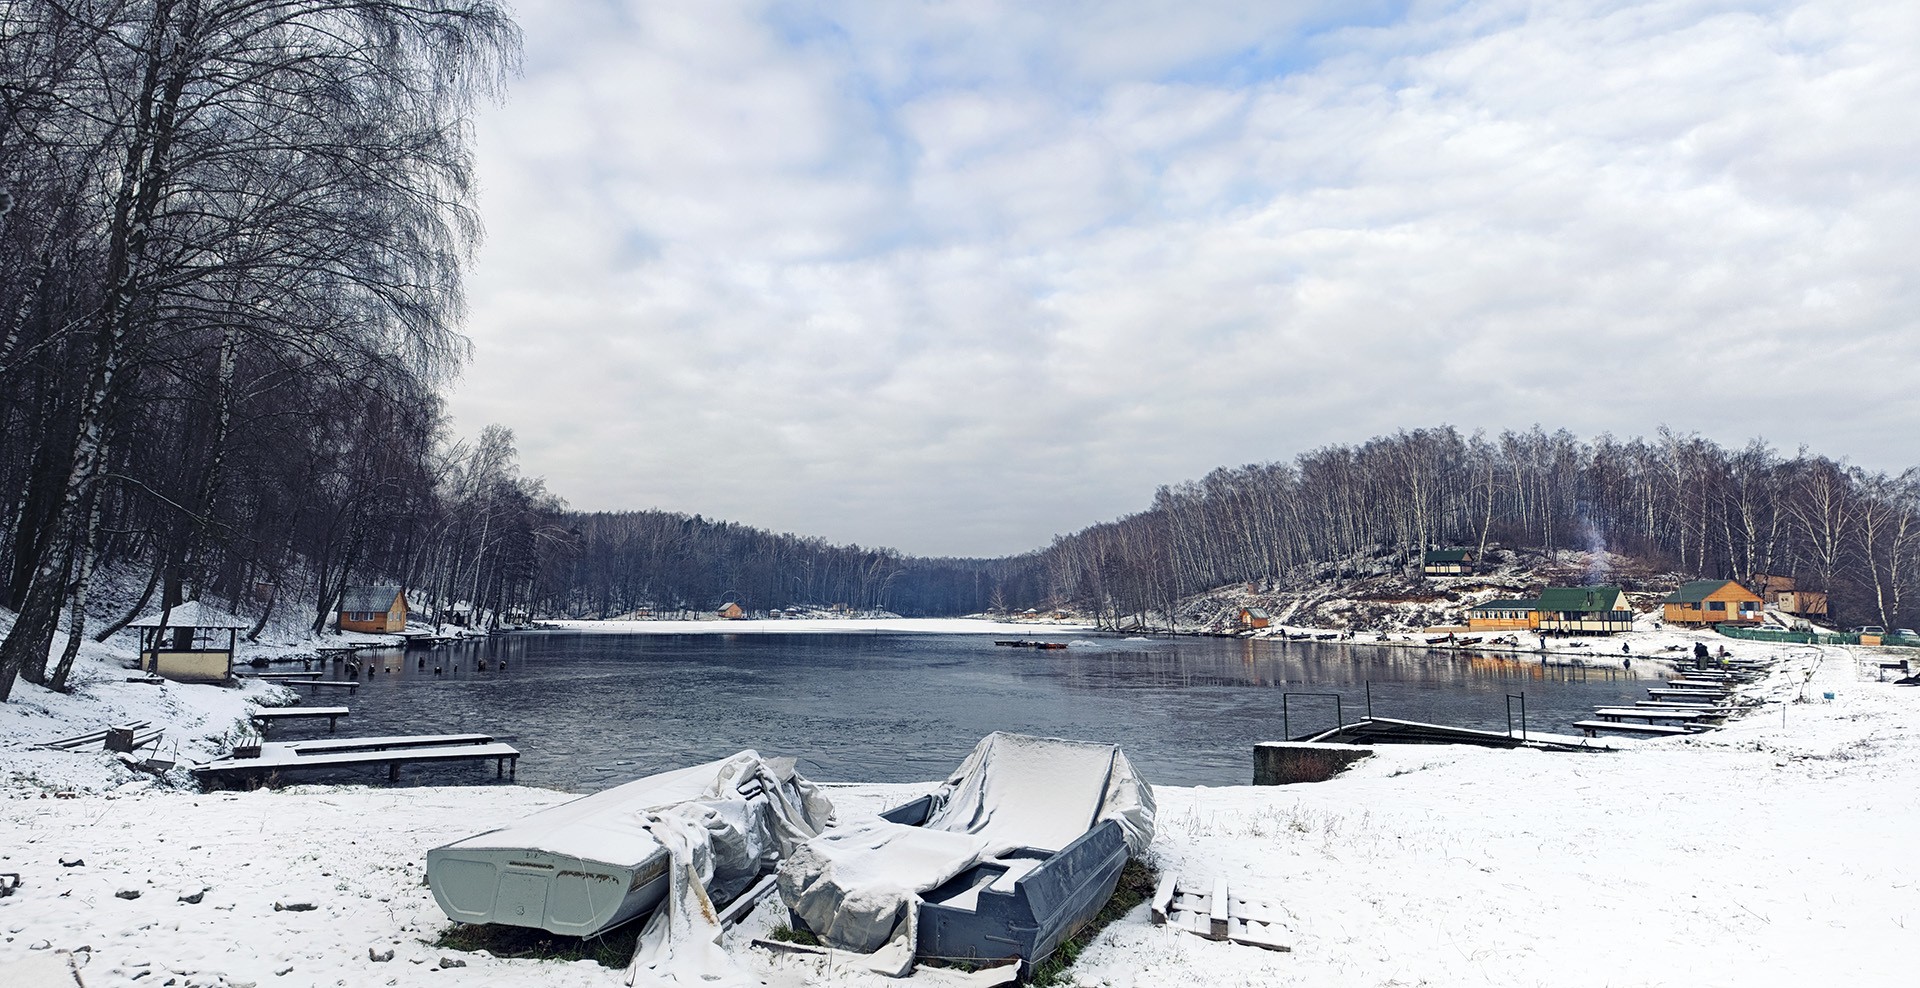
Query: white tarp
[718, 841]
[858, 885]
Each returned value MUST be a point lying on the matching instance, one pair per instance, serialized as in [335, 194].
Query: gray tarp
[857, 884]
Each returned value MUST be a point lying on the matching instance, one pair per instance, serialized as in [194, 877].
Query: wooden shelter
[1600, 610]
[1712, 602]
[1447, 562]
[1784, 593]
[379, 610]
[184, 644]
[731, 611]
[1505, 615]
[1254, 617]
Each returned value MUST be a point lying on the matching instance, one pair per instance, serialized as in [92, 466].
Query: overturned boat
[598, 861]
[1013, 854]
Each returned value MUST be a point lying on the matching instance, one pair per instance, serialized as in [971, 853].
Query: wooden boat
[1049, 644]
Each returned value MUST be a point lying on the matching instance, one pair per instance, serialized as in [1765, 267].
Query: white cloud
[955, 277]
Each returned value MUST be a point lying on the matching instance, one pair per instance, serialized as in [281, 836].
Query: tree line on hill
[231, 238]
[1678, 501]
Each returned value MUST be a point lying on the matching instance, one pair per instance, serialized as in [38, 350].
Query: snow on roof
[369, 598]
[191, 614]
[1447, 556]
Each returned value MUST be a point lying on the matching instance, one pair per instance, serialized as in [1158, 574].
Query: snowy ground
[1777, 851]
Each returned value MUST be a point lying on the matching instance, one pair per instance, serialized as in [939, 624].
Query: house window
[1716, 605]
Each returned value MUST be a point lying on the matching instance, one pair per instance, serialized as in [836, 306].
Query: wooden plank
[307, 749]
[1163, 897]
[1218, 910]
[340, 683]
[287, 713]
[279, 758]
[1610, 725]
[1650, 713]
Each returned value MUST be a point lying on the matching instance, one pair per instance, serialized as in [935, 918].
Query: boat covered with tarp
[601, 860]
[1010, 856]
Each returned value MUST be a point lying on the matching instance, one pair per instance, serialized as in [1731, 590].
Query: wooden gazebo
[183, 644]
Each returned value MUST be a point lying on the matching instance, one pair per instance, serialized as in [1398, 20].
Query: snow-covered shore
[1775, 851]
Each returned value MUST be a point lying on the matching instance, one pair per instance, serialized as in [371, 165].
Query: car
[1869, 629]
[1905, 633]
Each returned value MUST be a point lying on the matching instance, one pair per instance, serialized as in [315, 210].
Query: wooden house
[1254, 617]
[1599, 610]
[185, 644]
[1505, 615]
[1447, 562]
[1784, 593]
[379, 610]
[1712, 602]
[731, 611]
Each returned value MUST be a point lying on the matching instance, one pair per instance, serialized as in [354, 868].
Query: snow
[1777, 851]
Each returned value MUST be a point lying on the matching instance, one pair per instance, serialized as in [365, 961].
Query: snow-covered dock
[393, 752]
[267, 716]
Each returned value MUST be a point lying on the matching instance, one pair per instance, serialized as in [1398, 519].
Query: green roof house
[1585, 610]
[1447, 562]
[1712, 602]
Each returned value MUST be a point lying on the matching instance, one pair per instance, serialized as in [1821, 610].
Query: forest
[1679, 502]
[231, 242]
[232, 236]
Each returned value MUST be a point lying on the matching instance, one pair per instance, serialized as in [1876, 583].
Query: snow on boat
[595, 863]
[1009, 857]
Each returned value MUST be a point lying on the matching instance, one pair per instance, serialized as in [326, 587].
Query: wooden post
[393, 771]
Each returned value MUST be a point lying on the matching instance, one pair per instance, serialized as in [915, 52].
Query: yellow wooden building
[1712, 602]
[380, 610]
[1505, 615]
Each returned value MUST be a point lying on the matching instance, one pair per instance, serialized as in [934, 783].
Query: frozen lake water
[592, 710]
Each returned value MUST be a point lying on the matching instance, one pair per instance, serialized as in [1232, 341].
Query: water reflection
[589, 710]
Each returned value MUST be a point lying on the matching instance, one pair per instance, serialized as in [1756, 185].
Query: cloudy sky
[954, 277]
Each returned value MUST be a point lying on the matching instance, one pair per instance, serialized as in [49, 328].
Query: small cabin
[1447, 562]
[731, 611]
[1254, 617]
[185, 645]
[1713, 602]
[1601, 610]
[375, 610]
[1505, 615]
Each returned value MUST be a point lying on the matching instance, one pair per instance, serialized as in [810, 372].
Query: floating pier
[393, 752]
[266, 716]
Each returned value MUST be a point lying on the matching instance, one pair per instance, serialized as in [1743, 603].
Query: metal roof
[191, 614]
[1699, 590]
[369, 598]
[1447, 556]
[1579, 599]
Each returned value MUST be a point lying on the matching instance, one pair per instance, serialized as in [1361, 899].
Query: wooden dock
[1662, 730]
[345, 684]
[393, 752]
[266, 716]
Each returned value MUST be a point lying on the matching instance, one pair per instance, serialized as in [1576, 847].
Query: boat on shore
[1023, 643]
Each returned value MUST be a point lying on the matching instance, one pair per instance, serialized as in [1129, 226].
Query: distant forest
[1676, 501]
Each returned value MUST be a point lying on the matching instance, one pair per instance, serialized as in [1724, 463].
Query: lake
[592, 710]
